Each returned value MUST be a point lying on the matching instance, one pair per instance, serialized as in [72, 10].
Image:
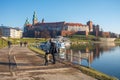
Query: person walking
[25, 43]
[53, 50]
[47, 52]
[50, 49]
[9, 44]
[21, 43]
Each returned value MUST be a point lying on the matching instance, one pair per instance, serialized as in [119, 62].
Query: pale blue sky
[106, 13]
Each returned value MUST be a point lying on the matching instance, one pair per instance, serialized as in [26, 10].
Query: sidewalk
[30, 66]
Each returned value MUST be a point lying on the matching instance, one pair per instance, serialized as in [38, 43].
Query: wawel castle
[42, 29]
[51, 29]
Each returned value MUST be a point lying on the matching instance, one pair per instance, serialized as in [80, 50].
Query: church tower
[26, 22]
[90, 24]
[43, 20]
[35, 20]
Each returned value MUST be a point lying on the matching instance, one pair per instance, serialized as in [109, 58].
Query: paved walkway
[20, 63]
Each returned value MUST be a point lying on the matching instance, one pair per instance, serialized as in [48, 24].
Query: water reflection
[98, 57]
[76, 56]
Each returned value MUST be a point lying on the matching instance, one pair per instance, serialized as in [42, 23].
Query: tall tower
[35, 20]
[43, 20]
[90, 24]
[26, 22]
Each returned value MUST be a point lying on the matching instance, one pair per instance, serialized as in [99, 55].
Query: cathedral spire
[27, 21]
[43, 20]
[35, 18]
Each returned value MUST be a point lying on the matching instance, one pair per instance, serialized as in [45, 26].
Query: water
[104, 58]
[108, 62]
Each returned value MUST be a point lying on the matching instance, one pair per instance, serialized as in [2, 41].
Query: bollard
[79, 57]
[71, 59]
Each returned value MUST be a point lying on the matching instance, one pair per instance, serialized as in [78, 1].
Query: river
[104, 57]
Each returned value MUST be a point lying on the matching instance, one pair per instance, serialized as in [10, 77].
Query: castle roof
[59, 23]
[28, 25]
[50, 23]
[73, 24]
[62, 23]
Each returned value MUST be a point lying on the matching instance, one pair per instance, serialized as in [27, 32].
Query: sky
[105, 13]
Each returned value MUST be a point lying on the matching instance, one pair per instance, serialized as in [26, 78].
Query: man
[20, 43]
[9, 44]
[47, 51]
[50, 49]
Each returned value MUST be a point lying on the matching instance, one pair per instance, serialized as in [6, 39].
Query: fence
[75, 57]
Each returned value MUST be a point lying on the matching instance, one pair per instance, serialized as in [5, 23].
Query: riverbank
[89, 71]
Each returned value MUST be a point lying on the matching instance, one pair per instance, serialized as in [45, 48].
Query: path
[20, 63]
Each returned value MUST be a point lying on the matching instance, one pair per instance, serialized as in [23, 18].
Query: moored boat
[61, 42]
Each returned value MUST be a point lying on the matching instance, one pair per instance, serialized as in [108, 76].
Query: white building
[11, 32]
[76, 27]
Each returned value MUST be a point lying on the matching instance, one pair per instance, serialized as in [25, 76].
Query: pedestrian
[9, 44]
[21, 43]
[50, 49]
[47, 52]
[25, 43]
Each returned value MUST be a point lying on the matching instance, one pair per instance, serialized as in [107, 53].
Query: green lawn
[3, 42]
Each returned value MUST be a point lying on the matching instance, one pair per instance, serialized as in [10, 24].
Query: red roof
[74, 24]
[28, 25]
[51, 23]
[56, 23]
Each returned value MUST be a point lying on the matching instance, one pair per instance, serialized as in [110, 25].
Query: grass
[29, 40]
[82, 38]
[37, 50]
[94, 73]
[3, 43]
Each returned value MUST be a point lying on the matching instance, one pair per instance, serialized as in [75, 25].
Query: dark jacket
[53, 48]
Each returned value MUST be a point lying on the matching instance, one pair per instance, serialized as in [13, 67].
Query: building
[96, 30]
[74, 28]
[106, 34]
[10, 32]
[90, 24]
[52, 29]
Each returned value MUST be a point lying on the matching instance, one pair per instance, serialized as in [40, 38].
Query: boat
[61, 42]
[107, 39]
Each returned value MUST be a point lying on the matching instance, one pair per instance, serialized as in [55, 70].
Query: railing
[73, 57]
[76, 57]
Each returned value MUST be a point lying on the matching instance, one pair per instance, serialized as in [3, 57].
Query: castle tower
[35, 20]
[43, 20]
[90, 24]
[26, 22]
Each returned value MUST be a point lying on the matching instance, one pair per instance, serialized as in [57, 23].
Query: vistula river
[104, 57]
